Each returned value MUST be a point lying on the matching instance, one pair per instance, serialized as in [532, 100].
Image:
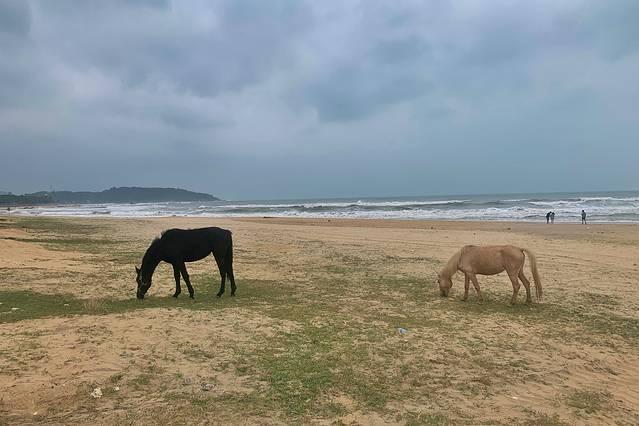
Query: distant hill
[112, 195]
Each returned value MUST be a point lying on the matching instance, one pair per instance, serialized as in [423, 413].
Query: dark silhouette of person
[583, 218]
[548, 217]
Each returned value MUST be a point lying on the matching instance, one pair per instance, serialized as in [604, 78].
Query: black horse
[177, 246]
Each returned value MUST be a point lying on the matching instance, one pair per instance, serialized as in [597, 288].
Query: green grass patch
[537, 418]
[557, 319]
[590, 402]
[430, 419]
[78, 236]
[24, 305]
[66, 226]
[141, 381]
[79, 244]
[302, 371]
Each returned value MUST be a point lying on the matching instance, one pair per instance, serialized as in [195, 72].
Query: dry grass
[94, 306]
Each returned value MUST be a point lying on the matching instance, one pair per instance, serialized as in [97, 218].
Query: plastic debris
[117, 388]
[97, 393]
[207, 387]
[402, 330]
[15, 309]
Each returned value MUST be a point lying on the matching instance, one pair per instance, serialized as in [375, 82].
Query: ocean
[600, 207]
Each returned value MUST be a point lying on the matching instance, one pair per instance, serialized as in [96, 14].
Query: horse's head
[143, 286]
[445, 283]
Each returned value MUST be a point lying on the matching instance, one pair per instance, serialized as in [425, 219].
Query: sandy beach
[313, 333]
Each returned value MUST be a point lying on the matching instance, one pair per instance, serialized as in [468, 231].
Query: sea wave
[600, 207]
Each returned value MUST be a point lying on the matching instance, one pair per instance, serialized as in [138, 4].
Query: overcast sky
[254, 99]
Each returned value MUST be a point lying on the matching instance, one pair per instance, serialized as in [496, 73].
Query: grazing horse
[177, 246]
[490, 260]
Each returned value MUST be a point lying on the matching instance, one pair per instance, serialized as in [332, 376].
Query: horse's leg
[176, 274]
[473, 278]
[185, 275]
[466, 286]
[526, 283]
[515, 281]
[229, 268]
[229, 271]
[222, 269]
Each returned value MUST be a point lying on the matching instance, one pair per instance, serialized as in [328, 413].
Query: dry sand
[482, 363]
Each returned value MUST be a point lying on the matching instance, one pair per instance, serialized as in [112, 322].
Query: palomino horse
[490, 260]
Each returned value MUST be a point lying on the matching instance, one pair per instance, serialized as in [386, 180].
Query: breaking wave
[603, 207]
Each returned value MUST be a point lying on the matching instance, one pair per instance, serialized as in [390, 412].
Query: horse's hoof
[176, 295]
[191, 296]
[218, 295]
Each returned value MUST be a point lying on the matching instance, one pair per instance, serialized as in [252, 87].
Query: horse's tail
[535, 272]
[229, 257]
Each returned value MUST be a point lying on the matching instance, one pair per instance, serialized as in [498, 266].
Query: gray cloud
[203, 51]
[254, 99]
[15, 17]
[614, 27]
[357, 91]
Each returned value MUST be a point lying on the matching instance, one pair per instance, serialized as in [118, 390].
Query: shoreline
[623, 233]
[407, 222]
[341, 221]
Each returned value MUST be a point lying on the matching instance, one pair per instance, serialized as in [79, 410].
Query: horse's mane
[159, 237]
[164, 232]
[156, 241]
[451, 266]
[152, 247]
[150, 259]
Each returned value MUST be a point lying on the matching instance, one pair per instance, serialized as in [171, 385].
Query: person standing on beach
[583, 218]
[548, 217]
[552, 217]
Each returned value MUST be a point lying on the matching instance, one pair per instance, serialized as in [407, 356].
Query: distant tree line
[27, 199]
[112, 195]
